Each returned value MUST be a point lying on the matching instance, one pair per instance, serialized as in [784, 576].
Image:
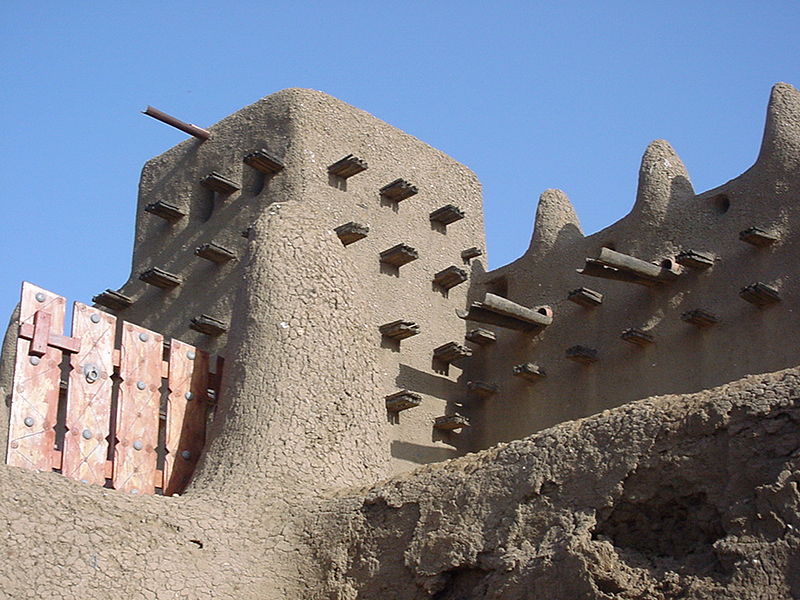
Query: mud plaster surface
[308, 131]
[674, 497]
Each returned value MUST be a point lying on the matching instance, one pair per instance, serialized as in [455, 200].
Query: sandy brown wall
[309, 131]
[297, 412]
[174, 177]
[328, 130]
[668, 217]
[347, 293]
[65, 540]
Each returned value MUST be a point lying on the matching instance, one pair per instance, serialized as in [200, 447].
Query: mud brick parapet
[696, 259]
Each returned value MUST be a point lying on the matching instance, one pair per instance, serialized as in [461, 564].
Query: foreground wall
[675, 497]
[680, 497]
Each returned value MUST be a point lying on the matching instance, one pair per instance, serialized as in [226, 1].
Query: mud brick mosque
[609, 416]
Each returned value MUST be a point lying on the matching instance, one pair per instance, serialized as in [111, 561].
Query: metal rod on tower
[193, 130]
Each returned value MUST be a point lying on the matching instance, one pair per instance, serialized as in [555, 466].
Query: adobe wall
[308, 131]
[174, 178]
[300, 408]
[667, 218]
[65, 540]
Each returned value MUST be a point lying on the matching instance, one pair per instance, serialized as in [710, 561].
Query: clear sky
[530, 95]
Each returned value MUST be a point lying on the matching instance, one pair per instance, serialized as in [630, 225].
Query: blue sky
[530, 95]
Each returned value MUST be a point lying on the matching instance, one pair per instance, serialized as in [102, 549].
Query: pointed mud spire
[780, 147]
[663, 179]
[556, 222]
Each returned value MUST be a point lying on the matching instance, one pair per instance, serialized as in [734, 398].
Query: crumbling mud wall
[674, 497]
[668, 347]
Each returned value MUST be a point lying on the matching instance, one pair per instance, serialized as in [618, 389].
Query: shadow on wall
[680, 192]
[568, 236]
[166, 306]
[422, 455]
[175, 179]
[424, 383]
[476, 289]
